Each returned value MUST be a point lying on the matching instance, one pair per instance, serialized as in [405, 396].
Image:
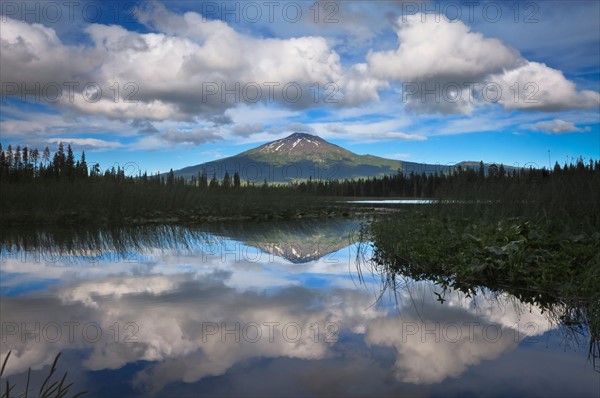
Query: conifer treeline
[49, 186]
[26, 165]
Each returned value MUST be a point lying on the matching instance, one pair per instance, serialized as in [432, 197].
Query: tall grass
[53, 386]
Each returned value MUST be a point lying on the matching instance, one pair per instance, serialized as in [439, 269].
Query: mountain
[301, 156]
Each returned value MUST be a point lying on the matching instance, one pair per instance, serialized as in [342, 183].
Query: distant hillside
[303, 156]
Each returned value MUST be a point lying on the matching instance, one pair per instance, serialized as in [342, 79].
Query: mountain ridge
[303, 156]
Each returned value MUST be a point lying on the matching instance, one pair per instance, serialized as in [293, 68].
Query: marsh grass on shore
[549, 263]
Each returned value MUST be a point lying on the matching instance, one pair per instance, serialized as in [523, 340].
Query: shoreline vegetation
[537, 241]
[40, 188]
[551, 263]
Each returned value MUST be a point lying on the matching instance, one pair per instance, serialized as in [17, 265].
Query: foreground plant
[49, 388]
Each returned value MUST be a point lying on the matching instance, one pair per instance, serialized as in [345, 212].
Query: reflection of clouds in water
[434, 342]
[172, 313]
[171, 296]
[116, 287]
[420, 359]
[264, 271]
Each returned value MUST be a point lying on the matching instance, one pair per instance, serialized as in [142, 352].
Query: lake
[393, 201]
[289, 308]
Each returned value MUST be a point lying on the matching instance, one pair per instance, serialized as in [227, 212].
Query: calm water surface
[265, 309]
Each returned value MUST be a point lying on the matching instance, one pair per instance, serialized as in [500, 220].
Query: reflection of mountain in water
[297, 242]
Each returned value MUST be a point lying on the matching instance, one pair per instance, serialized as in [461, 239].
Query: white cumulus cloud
[558, 126]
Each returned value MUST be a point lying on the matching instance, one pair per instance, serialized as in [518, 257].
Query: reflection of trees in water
[577, 314]
[82, 244]
[297, 241]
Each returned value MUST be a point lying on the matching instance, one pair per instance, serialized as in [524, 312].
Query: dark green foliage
[67, 191]
[170, 178]
[521, 257]
[534, 234]
[24, 165]
[226, 181]
[202, 180]
[568, 196]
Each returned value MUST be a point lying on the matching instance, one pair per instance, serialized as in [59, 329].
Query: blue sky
[187, 82]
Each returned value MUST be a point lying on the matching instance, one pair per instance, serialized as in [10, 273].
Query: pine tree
[214, 183]
[95, 172]
[17, 159]
[46, 156]
[70, 163]
[202, 179]
[3, 164]
[171, 178]
[25, 157]
[501, 171]
[59, 161]
[35, 156]
[226, 181]
[82, 169]
[481, 172]
[9, 157]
